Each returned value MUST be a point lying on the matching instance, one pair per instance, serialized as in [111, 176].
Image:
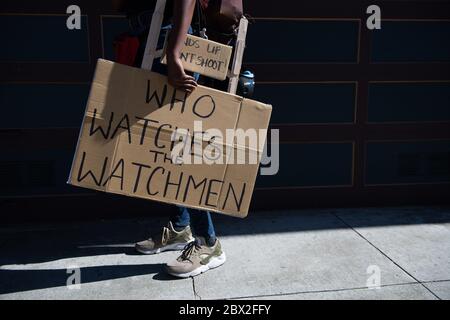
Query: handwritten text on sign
[126, 144]
[206, 57]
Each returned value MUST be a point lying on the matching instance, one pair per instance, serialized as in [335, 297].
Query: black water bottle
[246, 85]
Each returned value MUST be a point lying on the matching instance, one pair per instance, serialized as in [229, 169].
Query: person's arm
[182, 17]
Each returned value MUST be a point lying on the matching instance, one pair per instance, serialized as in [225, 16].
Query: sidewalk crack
[320, 291]
[196, 295]
[385, 255]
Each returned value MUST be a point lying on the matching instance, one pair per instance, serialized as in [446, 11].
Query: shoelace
[165, 236]
[188, 250]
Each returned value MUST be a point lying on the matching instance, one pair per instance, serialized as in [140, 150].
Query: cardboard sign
[203, 56]
[126, 143]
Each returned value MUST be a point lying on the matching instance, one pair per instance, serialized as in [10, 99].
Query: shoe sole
[170, 247]
[212, 264]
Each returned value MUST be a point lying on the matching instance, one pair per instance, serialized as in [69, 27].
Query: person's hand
[177, 77]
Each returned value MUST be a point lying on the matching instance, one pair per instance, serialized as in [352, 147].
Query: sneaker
[197, 258]
[168, 240]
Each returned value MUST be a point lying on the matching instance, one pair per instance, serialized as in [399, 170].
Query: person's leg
[178, 230]
[177, 233]
[175, 236]
[202, 225]
[199, 220]
[203, 254]
[180, 218]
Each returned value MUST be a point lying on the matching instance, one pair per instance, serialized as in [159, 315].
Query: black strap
[201, 17]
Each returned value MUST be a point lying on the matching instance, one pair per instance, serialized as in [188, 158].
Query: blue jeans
[199, 220]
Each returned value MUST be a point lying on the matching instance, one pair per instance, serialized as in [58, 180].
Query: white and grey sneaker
[197, 258]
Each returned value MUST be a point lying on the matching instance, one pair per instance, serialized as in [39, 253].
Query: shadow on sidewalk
[25, 280]
[117, 237]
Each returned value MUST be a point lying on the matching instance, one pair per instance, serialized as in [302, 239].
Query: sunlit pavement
[358, 253]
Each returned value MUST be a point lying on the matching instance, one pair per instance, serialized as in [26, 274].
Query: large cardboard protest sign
[134, 123]
[204, 56]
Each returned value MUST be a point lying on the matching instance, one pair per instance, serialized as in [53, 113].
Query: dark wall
[363, 114]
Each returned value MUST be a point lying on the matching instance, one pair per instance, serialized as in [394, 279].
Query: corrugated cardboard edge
[83, 121]
[261, 106]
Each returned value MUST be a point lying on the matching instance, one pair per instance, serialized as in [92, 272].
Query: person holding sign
[221, 18]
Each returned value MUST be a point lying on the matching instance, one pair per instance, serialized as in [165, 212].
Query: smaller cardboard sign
[204, 56]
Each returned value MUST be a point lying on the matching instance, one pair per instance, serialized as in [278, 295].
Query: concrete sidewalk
[304, 254]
